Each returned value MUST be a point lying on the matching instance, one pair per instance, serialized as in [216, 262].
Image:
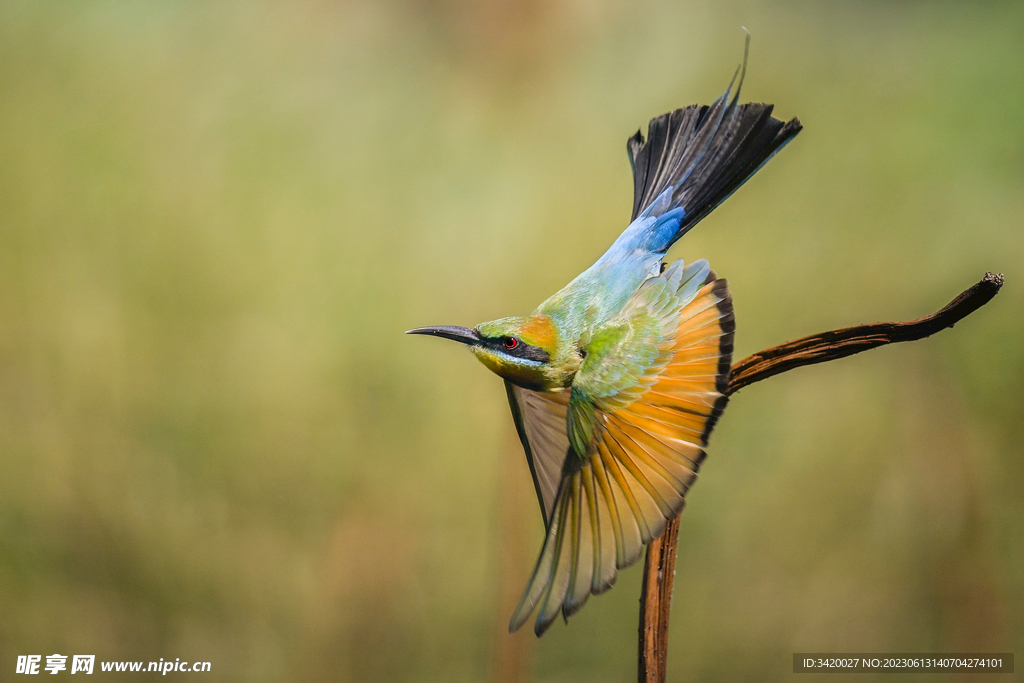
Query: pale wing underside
[540, 420]
[644, 460]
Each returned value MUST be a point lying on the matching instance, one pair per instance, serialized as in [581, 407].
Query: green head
[521, 350]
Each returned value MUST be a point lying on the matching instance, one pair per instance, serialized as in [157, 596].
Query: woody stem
[659, 568]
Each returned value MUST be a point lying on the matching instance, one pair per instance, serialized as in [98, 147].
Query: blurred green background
[217, 220]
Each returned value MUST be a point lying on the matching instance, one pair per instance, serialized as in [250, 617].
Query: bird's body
[616, 381]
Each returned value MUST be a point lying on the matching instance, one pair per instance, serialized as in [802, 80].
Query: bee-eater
[616, 381]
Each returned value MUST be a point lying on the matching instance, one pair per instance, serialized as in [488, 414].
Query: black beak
[464, 335]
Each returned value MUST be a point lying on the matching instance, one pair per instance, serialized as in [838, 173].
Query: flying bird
[616, 381]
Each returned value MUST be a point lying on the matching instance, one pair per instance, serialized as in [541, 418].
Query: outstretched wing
[642, 406]
[540, 420]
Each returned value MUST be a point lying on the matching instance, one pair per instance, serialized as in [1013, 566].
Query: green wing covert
[641, 408]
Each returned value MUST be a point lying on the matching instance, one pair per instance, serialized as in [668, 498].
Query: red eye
[511, 343]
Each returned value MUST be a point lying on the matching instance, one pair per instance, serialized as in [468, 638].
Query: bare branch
[826, 346]
[659, 568]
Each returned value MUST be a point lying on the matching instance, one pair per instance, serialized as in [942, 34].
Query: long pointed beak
[464, 335]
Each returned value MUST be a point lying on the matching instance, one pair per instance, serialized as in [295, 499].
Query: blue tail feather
[694, 158]
[651, 233]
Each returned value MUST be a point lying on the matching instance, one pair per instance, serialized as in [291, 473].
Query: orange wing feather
[644, 460]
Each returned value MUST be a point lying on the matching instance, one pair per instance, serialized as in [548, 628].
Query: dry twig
[659, 568]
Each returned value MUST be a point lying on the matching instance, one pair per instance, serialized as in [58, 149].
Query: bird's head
[520, 350]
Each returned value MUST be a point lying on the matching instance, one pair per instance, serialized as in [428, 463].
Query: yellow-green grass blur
[218, 219]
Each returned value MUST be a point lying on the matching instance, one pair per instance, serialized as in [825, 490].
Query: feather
[645, 444]
[701, 155]
[540, 421]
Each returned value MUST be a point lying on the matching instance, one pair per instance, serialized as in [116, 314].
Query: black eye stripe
[519, 350]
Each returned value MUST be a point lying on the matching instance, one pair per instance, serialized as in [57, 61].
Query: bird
[616, 381]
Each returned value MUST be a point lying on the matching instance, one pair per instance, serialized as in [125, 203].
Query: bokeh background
[217, 220]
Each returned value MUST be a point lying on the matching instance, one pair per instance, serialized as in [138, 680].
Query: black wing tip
[716, 412]
[604, 587]
[541, 626]
[569, 610]
[726, 343]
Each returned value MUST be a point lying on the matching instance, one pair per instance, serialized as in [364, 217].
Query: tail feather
[700, 155]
